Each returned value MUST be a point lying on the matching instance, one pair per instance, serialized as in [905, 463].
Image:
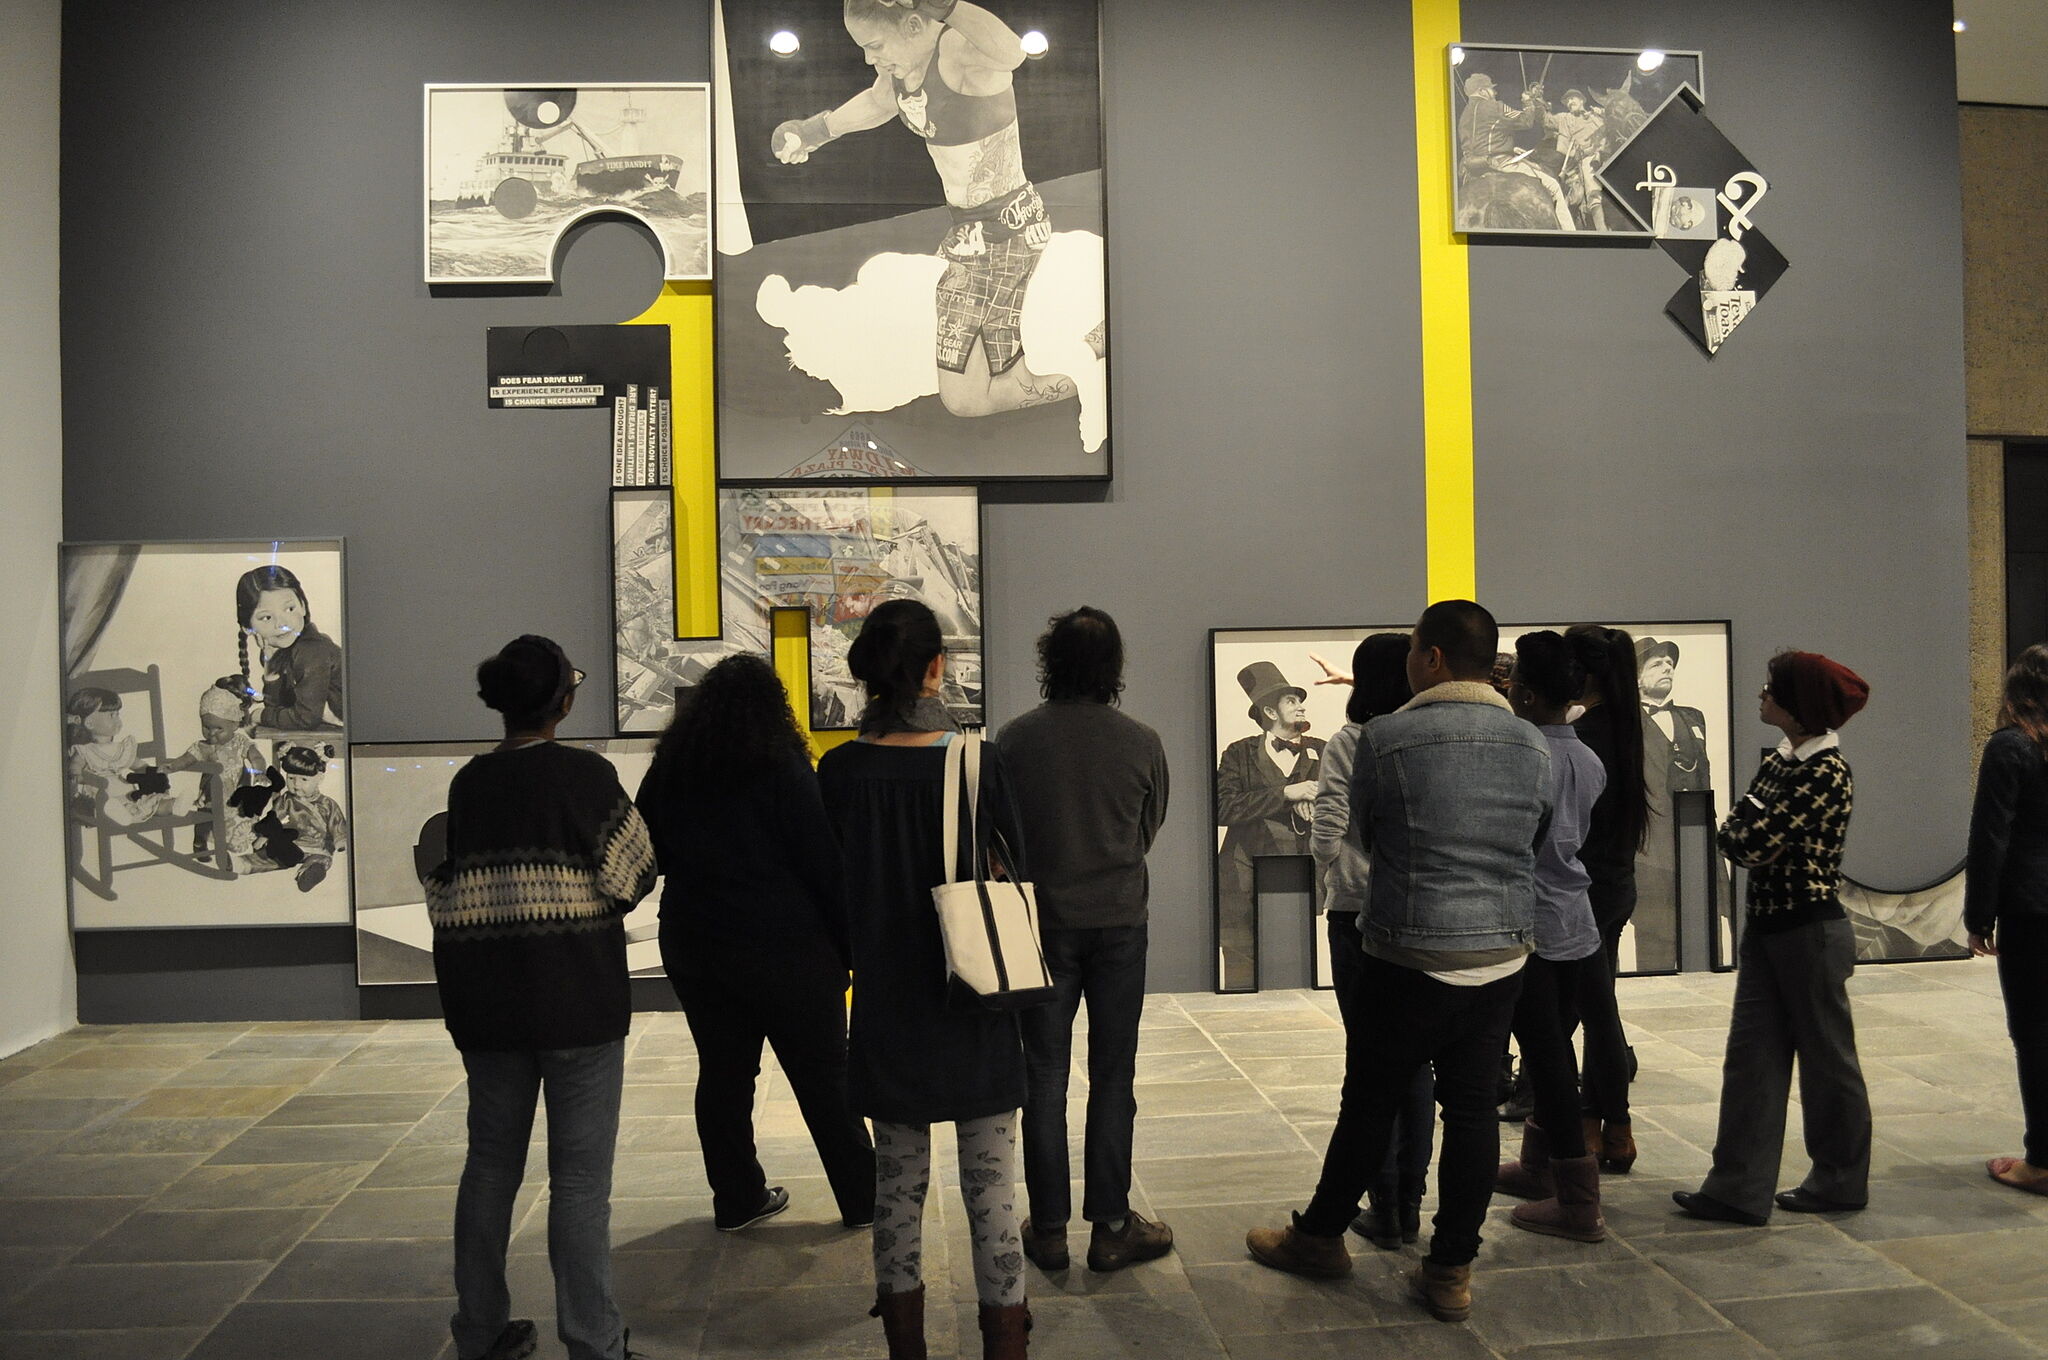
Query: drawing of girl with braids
[296, 680]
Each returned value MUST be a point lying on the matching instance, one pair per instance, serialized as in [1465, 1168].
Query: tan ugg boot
[1529, 1176]
[1446, 1291]
[1617, 1149]
[1298, 1253]
[1575, 1212]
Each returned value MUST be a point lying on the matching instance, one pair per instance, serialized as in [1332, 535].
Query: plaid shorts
[981, 295]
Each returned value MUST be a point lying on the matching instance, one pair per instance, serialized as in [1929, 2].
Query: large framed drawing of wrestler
[1531, 127]
[910, 225]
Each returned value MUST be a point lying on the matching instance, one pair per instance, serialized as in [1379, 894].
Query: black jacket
[2008, 866]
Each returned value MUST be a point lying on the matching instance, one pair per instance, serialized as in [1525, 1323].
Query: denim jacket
[1454, 791]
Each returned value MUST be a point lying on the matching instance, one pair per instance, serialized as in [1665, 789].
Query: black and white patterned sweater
[1788, 831]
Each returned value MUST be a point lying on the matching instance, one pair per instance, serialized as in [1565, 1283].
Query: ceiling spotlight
[1960, 26]
[1649, 60]
[1034, 43]
[1457, 56]
[783, 43]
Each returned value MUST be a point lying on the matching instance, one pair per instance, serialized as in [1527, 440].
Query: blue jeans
[582, 1086]
[1106, 965]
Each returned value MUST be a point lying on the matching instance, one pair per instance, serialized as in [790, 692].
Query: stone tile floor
[245, 1190]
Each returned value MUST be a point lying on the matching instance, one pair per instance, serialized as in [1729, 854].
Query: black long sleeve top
[747, 858]
[2008, 864]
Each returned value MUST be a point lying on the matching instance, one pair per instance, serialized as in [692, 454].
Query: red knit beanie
[1820, 693]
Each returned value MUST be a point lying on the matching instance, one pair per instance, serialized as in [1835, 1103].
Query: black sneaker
[772, 1203]
[516, 1342]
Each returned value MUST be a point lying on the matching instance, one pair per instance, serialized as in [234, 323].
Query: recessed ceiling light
[783, 43]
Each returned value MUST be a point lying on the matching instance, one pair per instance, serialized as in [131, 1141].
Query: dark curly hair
[1081, 656]
[728, 726]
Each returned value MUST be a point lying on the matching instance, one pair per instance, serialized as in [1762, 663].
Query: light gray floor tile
[389, 1330]
[1982, 1268]
[68, 1222]
[421, 1269]
[128, 1137]
[1874, 1322]
[57, 1174]
[355, 1107]
[1207, 1135]
[132, 1343]
[202, 1235]
[1513, 1308]
[30, 1113]
[1182, 1097]
[118, 1296]
[1244, 1297]
[1407, 1340]
[332, 1143]
[277, 1185]
[1808, 1259]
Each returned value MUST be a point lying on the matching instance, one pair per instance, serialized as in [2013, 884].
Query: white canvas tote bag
[990, 927]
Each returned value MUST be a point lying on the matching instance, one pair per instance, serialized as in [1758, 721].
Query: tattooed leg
[988, 1184]
[903, 1172]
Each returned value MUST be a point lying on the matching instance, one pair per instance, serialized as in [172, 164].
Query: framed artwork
[911, 220]
[1532, 126]
[204, 784]
[834, 552]
[1911, 926]
[401, 802]
[509, 169]
[1272, 715]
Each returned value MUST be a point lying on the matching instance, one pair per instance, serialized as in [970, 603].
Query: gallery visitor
[1556, 1169]
[2005, 904]
[546, 855]
[1379, 684]
[1453, 791]
[753, 933]
[913, 1059]
[1090, 785]
[1793, 964]
[1611, 725]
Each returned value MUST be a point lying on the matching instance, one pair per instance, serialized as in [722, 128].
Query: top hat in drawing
[1264, 684]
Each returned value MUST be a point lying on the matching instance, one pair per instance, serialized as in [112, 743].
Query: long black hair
[1379, 677]
[728, 727]
[1609, 656]
[1549, 668]
[890, 657]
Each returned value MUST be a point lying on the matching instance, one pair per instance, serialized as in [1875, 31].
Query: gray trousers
[1792, 1000]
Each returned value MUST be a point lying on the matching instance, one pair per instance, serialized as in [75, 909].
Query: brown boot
[902, 1318]
[1591, 1125]
[1446, 1291]
[1046, 1247]
[1140, 1239]
[1575, 1213]
[1617, 1146]
[1528, 1177]
[1005, 1331]
[1296, 1252]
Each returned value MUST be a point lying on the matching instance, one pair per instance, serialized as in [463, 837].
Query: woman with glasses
[546, 855]
[1797, 952]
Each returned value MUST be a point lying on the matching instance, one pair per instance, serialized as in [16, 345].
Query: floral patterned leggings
[988, 1184]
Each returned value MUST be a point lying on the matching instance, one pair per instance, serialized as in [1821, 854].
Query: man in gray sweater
[1090, 788]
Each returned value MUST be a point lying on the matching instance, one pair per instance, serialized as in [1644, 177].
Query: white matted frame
[1515, 167]
[401, 796]
[180, 735]
[509, 168]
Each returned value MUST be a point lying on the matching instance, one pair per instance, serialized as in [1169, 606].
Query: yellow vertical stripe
[685, 308]
[792, 643]
[1446, 318]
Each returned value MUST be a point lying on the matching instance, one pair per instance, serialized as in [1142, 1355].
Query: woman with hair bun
[753, 933]
[913, 1060]
[2005, 905]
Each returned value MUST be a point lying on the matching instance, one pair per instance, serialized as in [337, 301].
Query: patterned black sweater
[1788, 831]
[546, 855]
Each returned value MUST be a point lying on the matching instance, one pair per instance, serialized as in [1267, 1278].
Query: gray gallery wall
[248, 351]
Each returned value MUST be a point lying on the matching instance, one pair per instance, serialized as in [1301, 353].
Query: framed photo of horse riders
[1531, 128]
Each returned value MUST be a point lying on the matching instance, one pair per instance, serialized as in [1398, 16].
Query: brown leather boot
[902, 1318]
[1298, 1253]
[1528, 1177]
[1446, 1291]
[1617, 1146]
[1591, 1125]
[1005, 1331]
[1575, 1213]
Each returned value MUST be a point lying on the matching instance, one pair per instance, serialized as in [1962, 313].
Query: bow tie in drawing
[1281, 745]
[1685, 181]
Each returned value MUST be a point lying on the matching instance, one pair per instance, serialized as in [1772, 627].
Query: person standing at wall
[1379, 681]
[1796, 956]
[546, 855]
[753, 933]
[2005, 905]
[1091, 787]
[1556, 1168]
[1612, 728]
[1453, 793]
[914, 1060]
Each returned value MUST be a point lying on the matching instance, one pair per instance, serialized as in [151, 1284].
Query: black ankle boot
[1380, 1224]
[1411, 1221]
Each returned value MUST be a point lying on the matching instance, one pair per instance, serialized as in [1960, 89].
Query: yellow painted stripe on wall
[685, 308]
[1453, 552]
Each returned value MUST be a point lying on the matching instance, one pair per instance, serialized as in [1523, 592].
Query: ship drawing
[522, 171]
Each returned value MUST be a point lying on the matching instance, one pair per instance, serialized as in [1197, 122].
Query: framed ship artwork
[509, 169]
[912, 282]
[204, 727]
